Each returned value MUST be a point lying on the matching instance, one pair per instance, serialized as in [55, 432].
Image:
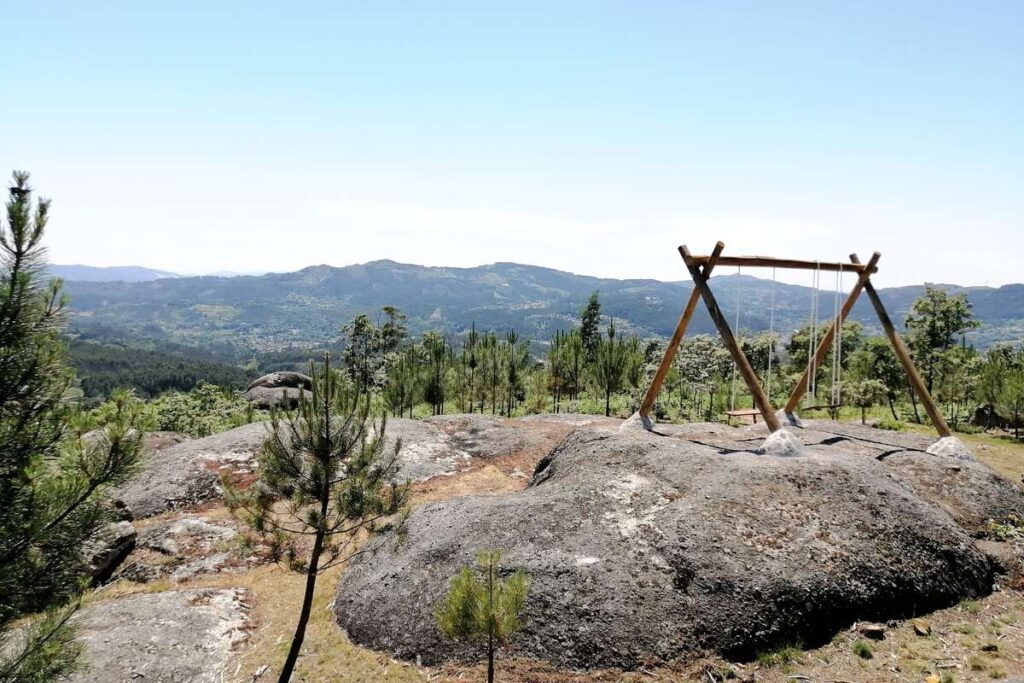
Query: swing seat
[824, 406]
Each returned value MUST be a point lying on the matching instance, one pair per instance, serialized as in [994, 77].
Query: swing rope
[837, 344]
[812, 342]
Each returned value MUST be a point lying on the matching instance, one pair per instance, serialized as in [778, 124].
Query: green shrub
[780, 657]
[967, 428]
[1010, 528]
[205, 410]
[889, 424]
[862, 649]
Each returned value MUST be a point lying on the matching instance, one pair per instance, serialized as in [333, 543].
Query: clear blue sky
[593, 137]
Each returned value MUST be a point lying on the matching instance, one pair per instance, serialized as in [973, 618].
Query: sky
[592, 137]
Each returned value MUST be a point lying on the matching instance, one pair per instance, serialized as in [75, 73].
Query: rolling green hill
[236, 317]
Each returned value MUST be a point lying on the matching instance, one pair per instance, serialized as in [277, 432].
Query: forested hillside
[102, 368]
[242, 315]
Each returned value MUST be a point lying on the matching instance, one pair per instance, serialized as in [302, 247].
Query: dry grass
[998, 452]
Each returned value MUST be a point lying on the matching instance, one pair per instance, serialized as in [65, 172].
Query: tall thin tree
[52, 479]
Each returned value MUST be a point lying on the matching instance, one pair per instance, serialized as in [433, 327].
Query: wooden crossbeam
[700, 281]
[900, 349]
[819, 354]
[677, 337]
[793, 264]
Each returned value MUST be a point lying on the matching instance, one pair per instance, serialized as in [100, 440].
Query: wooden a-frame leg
[677, 337]
[749, 376]
[900, 349]
[826, 340]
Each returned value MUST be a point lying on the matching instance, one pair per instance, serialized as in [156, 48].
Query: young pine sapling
[326, 475]
[483, 606]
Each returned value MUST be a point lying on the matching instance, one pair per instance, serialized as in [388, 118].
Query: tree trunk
[913, 402]
[863, 415]
[307, 604]
[490, 658]
[607, 403]
[892, 407]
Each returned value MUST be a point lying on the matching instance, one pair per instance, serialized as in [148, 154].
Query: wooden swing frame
[700, 268]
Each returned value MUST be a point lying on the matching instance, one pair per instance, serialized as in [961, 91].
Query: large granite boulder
[279, 389]
[644, 548]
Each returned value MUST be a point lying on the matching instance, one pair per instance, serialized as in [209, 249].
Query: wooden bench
[748, 412]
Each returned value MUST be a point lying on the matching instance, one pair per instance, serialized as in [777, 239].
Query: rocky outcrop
[644, 548]
[172, 636]
[180, 548]
[107, 548]
[189, 472]
[279, 389]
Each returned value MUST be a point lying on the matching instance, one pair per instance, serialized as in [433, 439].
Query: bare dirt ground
[975, 641]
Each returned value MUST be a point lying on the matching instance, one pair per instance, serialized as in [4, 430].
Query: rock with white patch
[782, 443]
[952, 447]
[643, 548]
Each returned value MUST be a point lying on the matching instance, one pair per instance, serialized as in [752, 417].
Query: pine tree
[590, 324]
[51, 483]
[575, 363]
[484, 606]
[555, 367]
[610, 366]
[400, 390]
[469, 353]
[514, 361]
[362, 341]
[329, 462]
[393, 330]
[439, 358]
[492, 366]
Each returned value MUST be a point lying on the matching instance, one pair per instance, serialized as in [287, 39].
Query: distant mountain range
[307, 308]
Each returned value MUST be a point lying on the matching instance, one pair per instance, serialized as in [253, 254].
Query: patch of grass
[947, 677]
[977, 663]
[966, 629]
[862, 649]
[786, 654]
[997, 674]
[972, 606]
